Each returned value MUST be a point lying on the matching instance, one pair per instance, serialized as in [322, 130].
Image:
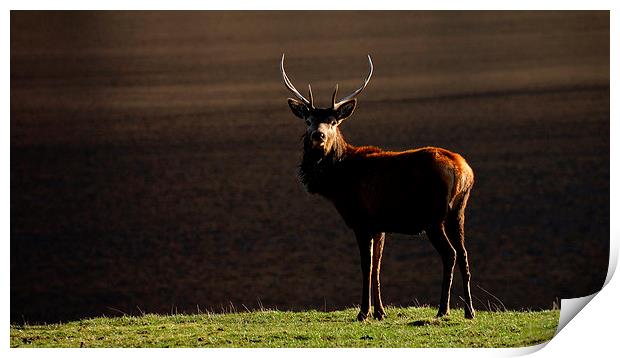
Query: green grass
[404, 327]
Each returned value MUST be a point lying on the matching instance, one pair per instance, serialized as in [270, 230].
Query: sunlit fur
[377, 191]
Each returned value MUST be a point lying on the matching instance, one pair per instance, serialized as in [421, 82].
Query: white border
[310, 5]
[593, 330]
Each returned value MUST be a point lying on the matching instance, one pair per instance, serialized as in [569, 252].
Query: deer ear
[299, 108]
[346, 109]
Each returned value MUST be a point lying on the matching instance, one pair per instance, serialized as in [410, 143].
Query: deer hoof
[362, 316]
[443, 313]
[470, 314]
[379, 315]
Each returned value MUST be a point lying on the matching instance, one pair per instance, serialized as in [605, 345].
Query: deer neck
[318, 171]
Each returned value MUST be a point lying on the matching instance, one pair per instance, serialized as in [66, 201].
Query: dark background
[154, 158]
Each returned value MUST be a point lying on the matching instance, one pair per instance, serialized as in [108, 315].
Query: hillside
[405, 327]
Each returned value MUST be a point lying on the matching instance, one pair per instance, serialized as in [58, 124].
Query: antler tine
[310, 95]
[352, 95]
[334, 96]
[290, 86]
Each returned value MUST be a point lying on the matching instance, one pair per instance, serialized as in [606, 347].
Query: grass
[404, 327]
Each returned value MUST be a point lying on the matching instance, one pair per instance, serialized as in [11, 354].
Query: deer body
[378, 191]
[381, 191]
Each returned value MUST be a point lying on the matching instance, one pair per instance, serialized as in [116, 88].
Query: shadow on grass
[431, 322]
[424, 322]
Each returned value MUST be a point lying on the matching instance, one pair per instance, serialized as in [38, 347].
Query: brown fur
[377, 191]
[408, 192]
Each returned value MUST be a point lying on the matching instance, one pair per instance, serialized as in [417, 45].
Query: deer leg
[377, 252]
[466, 276]
[441, 243]
[456, 235]
[364, 241]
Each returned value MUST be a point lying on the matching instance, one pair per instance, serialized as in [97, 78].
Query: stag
[377, 191]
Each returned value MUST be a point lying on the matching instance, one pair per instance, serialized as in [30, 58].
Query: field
[154, 158]
[406, 327]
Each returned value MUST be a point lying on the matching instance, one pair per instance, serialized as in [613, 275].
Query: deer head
[322, 123]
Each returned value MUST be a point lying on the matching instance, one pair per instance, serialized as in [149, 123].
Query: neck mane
[319, 172]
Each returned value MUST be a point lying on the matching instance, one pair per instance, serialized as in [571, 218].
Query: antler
[292, 88]
[352, 95]
[334, 96]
